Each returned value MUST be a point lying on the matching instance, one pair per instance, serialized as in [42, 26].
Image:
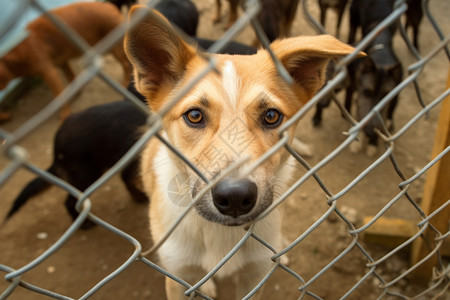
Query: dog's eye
[194, 118]
[272, 118]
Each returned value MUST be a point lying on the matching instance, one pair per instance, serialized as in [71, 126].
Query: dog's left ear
[306, 58]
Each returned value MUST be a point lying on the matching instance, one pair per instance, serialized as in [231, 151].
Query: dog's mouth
[234, 202]
[209, 215]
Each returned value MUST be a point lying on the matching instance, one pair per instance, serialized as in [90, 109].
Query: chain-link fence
[349, 268]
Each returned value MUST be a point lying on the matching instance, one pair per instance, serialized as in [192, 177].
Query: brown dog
[230, 114]
[46, 48]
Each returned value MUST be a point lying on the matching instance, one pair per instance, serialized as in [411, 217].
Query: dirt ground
[90, 255]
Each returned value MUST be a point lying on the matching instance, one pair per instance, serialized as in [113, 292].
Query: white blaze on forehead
[230, 82]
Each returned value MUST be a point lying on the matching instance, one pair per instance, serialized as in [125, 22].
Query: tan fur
[47, 48]
[163, 63]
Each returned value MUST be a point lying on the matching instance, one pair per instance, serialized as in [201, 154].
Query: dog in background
[414, 16]
[47, 50]
[257, 103]
[338, 6]
[120, 3]
[276, 16]
[373, 78]
[86, 145]
[367, 14]
[325, 102]
[233, 12]
[376, 75]
[74, 151]
[182, 13]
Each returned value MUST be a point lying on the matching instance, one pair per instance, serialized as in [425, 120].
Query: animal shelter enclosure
[357, 225]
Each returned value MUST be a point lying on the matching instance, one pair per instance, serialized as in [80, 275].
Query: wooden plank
[436, 193]
[389, 232]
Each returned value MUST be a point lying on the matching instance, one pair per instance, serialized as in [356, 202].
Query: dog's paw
[371, 150]
[355, 147]
[302, 148]
[285, 243]
[285, 260]
[209, 288]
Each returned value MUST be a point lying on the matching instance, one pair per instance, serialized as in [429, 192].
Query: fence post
[436, 193]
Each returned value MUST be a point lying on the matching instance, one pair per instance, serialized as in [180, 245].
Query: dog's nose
[235, 197]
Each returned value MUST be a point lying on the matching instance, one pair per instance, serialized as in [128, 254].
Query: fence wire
[17, 157]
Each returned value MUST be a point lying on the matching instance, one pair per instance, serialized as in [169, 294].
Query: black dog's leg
[70, 203]
[341, 10]
[416, 36]
[348, 98]
[354, 22]
[320, 106]
[131, 178]
[390, 114]
[323, 14]
[81, 177]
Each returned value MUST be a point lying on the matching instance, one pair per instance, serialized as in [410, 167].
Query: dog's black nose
[235, 197]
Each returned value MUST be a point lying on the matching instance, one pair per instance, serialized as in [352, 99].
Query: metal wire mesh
[18, 158]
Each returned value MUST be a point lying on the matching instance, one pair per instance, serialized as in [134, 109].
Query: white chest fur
[201, 243]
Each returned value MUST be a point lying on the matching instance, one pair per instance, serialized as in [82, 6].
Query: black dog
[372, 77]
[325, 102]
[90, 142]
[86, 145]
[275, 16]
[367, 14]
[230, 48]
[182, 13]
[414, 16]
[120, 3]
[376, 75]
[338, 5]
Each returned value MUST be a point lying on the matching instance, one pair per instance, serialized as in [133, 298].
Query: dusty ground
[91, 255]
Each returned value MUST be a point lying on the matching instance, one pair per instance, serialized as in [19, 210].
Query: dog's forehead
[246, 65]
[239, 79]
[231, 82]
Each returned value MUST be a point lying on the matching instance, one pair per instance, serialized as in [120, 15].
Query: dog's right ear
[159, 55]
[306, 57]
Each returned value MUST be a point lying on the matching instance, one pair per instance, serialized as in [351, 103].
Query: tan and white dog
[229, 114]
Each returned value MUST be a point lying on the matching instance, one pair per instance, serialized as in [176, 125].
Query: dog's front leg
[52, 77]
[247, 279]
[175, 290]
[70, 75]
